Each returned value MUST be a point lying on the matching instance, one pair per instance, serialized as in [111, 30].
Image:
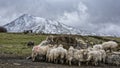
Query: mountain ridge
[38, 24]
[48, 26]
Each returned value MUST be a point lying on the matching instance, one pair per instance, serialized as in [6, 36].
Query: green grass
[15, 43]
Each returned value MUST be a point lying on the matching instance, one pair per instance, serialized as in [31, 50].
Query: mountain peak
[38, 25]
[25, 15]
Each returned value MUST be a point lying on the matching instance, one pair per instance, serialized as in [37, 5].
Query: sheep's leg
[66, 61]
[104, 60]
[87, 63]
[61, 60]
[110, 50]
[48, 59]
[96, 62]
[70, 62]
[56, 61]
[33, 56]
[79, 63]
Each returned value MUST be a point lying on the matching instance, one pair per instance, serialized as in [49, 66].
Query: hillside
[15, 44]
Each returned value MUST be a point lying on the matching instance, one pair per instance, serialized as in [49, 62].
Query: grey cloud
[92, 15]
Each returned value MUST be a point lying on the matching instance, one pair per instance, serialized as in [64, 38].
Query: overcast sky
[92, 15]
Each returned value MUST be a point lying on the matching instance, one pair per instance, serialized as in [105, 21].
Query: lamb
[109, 45]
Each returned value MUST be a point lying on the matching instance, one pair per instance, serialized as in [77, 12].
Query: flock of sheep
[56, 53]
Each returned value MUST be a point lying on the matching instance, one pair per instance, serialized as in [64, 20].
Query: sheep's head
[60, 45]
[71, 47]
[50, 39]
[85, 52]
[50, 45]
[55, 45]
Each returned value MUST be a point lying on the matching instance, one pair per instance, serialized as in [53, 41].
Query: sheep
[53, 55]
[57, 53]
[62, 52]
[82, 43]
[35, 51]
[113, 59]
[98, 47]
[103, 55]
[109, 45]
[49, 55]
[79, 56]
[40, 51]
[70, 54]
[44, 43]
[118, 53]
[94, 56]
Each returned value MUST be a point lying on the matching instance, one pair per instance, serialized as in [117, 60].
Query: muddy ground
[24, 63]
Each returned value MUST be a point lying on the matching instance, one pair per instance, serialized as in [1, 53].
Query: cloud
[83, 19]
[92, 15]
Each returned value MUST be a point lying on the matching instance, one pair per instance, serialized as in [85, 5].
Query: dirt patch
[23, 63]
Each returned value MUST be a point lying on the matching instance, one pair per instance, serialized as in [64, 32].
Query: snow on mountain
[40, 25]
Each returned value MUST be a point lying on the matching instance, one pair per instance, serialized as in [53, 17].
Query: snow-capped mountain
[40, 25]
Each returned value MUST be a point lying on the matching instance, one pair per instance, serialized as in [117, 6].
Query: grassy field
[15, 43]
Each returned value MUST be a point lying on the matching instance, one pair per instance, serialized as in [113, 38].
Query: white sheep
[94, 56]
[40, 51]
[70, 54]
[61, 53]
[103, 54]
[57, 53]
[98, 47]
[79, 56]
[109, 45]
[50, 53]
[35, 51]
[44, 43]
